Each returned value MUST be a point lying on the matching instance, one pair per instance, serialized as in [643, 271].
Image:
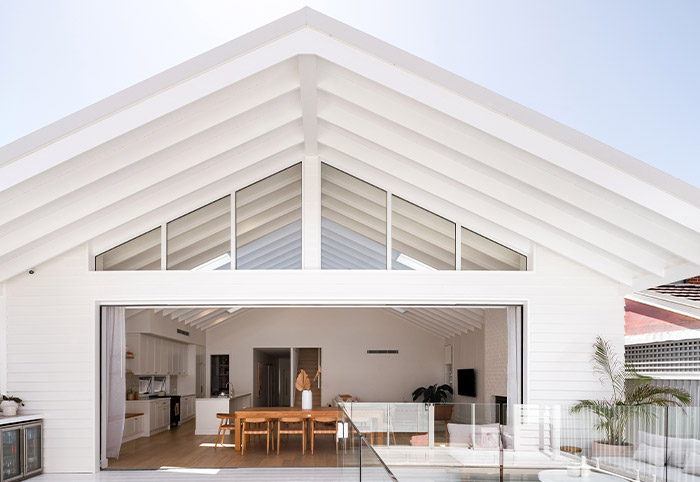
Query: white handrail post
[431, 425]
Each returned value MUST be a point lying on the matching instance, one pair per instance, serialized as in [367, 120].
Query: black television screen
[466, 382]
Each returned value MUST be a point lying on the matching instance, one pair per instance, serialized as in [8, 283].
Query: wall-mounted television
[466, 382]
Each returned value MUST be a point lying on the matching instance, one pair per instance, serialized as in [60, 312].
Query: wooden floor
[180, 447]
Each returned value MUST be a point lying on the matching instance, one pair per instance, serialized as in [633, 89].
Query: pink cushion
[419, 440]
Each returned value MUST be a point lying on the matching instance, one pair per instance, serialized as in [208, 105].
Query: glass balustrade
[519, 442]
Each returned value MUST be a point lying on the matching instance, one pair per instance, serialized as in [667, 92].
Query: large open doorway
[371, 353]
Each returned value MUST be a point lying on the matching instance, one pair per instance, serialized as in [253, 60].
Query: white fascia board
[500, 104]
[149, 108]
[673, 304]
[153, 86]
[481, 115]
[531, 131]
[678, 335]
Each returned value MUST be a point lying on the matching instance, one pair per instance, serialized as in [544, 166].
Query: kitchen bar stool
[324, 429]
[226, 422]
[292, 430]
[263, 428]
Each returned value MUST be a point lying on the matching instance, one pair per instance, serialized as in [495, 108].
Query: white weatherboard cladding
[52, 356]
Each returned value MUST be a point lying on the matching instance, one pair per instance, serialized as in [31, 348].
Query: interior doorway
[271, 377]
[309, 360]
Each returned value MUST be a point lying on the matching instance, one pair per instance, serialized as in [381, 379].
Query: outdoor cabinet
[21, 455]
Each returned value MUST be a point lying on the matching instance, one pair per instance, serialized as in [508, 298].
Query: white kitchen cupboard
[187, 407]
[156, 414]
[156, 356]
[133, 428]
[160, 414]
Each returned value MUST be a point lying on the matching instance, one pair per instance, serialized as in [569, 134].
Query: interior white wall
[566, 306]
[344, 336]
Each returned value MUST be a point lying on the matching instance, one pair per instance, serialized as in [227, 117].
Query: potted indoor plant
[436, 394]
[303, 384]
[632, 396]
[9, 405]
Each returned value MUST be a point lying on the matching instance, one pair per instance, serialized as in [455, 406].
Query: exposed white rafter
[310, 85]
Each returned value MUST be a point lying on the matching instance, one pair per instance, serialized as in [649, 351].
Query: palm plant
[632, 395]
[433, 393]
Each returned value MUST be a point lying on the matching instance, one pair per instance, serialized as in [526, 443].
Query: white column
[311, 212]
[431, 426]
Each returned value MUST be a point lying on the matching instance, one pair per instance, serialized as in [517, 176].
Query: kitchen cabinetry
[160, 414]
[21, 450]
[133, 427]
[156, 356]
[187, 407]
[156, 414]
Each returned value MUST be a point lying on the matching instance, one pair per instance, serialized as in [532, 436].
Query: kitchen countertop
[226, 398]
[19, 418]
[132, 415]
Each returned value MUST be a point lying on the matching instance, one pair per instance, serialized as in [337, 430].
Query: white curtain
[514, 383]
[115, 357]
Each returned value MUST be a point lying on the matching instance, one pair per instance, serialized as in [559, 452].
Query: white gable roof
[307, 85]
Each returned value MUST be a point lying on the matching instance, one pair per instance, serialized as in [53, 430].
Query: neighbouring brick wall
[495, 354]
[695, 280]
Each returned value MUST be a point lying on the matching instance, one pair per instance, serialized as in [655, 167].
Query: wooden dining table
[276, 413]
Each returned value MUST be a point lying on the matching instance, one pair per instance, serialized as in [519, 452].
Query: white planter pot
[9, 408]
[306, 400]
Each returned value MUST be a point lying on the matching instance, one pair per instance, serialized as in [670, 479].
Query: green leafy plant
[17, 400]
[433, 393]
[632, 395]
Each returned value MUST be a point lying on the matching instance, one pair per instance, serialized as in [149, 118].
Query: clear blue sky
[624, 72]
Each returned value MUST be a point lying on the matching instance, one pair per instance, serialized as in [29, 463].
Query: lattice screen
[664, 357]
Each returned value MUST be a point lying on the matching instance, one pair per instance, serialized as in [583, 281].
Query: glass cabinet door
[11, 454]
[32, 448]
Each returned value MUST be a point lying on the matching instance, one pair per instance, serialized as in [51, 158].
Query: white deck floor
[330, 474]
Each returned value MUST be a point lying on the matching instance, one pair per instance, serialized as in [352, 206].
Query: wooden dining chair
[226, 423]
[257, 426]
[325, 428]
[291, 430]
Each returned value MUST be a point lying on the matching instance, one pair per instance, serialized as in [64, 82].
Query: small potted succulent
[9, 405]
[130, 394]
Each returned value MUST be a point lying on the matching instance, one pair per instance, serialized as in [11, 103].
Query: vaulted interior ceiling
[443, 322]
[283, 93]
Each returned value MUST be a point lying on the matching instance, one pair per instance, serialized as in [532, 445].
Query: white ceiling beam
[179, 314]
[350, 155]
[609, 173]
[145, 104]
[235, 315]
[460, 322]
[198, 315]
[215, 177]
[537, 204]
[204, 319]
[307, 81]
[239, 99]
[505, 158]
[420, 325]
[459, 327]
[189, 155]
[438, 326]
